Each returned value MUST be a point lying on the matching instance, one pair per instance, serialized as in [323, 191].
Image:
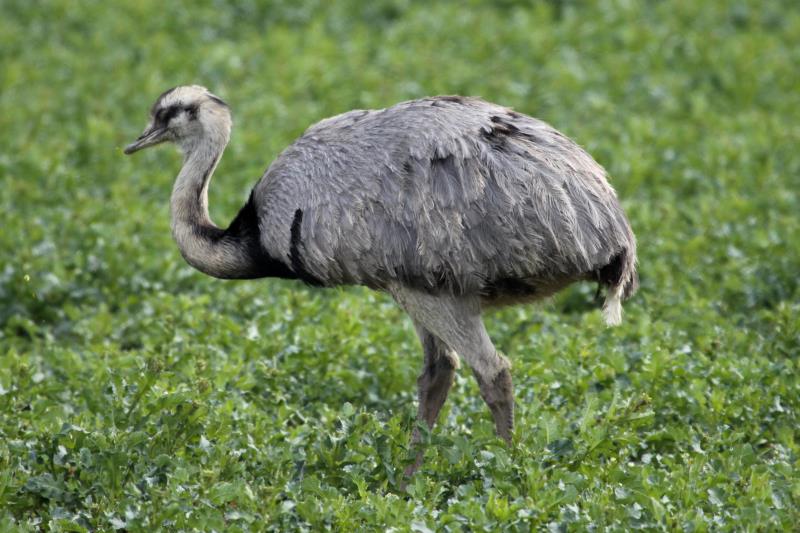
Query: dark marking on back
[438, 101]
[493, 138]
[444, 168]
[294, 251]
[498, 133]
[503, 126]
[363, 113]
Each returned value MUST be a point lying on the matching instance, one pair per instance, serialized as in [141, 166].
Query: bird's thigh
[457, 322]
[435, 349]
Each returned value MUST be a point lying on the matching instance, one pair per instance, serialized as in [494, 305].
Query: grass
[137, 394]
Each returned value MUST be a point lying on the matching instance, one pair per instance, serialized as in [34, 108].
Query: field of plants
[137, 394]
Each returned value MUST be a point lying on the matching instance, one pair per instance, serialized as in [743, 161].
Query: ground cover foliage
[137, 394]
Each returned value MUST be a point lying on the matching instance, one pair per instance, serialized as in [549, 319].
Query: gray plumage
[444, 194]
[449, 204]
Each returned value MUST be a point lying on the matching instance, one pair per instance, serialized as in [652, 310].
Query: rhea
[451, 205]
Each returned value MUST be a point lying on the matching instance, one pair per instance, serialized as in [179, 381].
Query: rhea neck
[189, 201]
[231, 253]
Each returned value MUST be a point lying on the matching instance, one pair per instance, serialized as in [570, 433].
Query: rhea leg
[434, 383]
[436, 378]
[499, 396]
[457, 322]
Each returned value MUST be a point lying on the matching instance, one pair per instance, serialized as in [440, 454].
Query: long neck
[206, 247]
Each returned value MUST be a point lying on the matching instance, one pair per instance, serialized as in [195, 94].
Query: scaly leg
[434, 383]
[456, 321]
[499, 396]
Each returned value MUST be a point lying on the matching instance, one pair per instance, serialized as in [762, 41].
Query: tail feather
[620, 276]
[612, 309]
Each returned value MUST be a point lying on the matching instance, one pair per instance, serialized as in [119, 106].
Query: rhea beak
[151, 136]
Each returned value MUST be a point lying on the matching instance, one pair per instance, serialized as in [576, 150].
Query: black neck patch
[244, 233]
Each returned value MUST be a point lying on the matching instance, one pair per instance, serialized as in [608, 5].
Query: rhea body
[449, 204]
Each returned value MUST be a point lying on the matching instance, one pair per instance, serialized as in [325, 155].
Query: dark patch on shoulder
[294, 251]
[294, 248]
[407, 168]
[244, 233]
[245, 224]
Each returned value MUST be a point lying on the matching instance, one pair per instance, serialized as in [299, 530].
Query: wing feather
[442, 194]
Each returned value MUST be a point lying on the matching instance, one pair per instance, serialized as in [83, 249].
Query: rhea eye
[164, 115]
[170, 113]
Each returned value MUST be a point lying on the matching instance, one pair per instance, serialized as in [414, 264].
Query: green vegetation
[138, 394]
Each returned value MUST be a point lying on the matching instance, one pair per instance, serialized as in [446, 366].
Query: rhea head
[189, 116]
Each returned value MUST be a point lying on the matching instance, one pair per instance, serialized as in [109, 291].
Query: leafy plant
[136, 394]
